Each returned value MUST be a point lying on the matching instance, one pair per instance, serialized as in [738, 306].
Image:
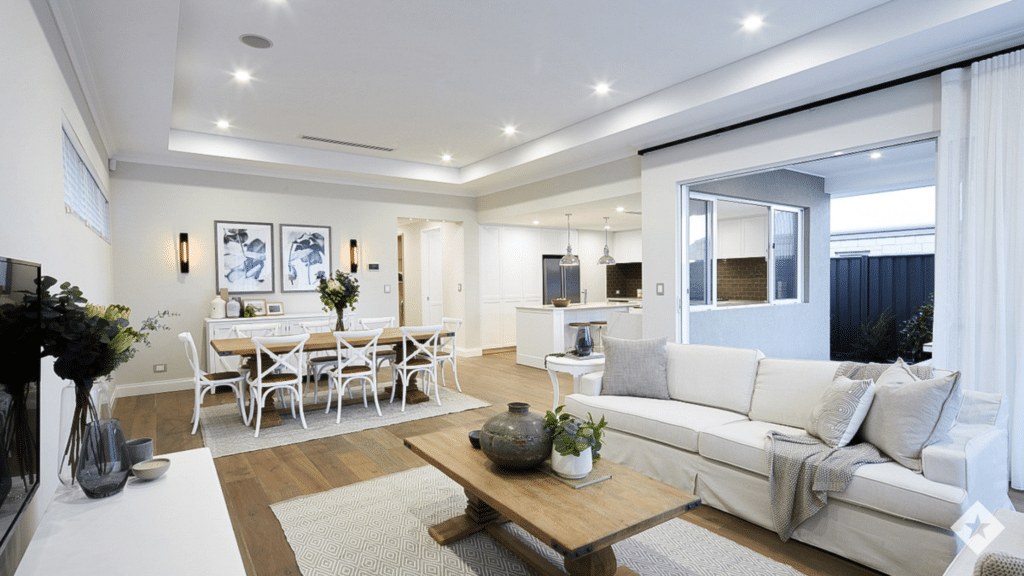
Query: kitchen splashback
[623, 280]
[743, 279]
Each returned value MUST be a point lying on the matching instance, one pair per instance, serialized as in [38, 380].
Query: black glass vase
[104, 462]
[584, 343]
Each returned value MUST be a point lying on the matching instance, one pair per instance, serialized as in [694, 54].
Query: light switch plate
[387, 288]
[659, 288]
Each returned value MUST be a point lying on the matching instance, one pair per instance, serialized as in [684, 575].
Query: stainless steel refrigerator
[560, 281]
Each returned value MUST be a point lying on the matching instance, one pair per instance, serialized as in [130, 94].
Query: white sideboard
[219, 328]
[175, 525]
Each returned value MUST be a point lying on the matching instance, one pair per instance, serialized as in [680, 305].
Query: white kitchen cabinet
[628, 246]
[743, 238]
[219, 328]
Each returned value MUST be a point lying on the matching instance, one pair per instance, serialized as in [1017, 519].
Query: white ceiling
[428, 78]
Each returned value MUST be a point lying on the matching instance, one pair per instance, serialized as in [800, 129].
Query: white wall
[33, 223]
[627, 246]
[899, 114]
[154, 204]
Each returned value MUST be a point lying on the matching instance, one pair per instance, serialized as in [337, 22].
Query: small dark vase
[104, 464]
[584, 343]
[517, 439]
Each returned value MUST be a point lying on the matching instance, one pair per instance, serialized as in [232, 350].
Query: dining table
[322, 342]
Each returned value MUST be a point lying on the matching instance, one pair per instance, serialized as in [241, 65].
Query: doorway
[430, 269]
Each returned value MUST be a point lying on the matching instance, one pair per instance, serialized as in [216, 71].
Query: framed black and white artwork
[245, 256]
[305, 256]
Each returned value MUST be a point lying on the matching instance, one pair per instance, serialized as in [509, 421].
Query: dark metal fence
[872, 296]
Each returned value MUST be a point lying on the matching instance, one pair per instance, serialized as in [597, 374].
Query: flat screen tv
[20, 347]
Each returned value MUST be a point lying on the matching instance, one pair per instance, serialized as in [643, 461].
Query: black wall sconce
[183, 252]
[353, 254]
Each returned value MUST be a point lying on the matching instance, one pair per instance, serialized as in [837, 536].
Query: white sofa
[709, 439]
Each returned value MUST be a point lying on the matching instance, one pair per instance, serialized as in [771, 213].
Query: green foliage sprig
[571, 435]
[917, 330]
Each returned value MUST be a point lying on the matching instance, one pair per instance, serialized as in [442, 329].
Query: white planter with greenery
[571, 466]
[575, 443]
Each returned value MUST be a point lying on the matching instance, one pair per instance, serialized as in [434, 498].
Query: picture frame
[305, 255]
[244, 256]
[258, 304]
[275, 308]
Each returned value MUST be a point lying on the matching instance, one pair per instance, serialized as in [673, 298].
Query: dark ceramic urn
[516, 440]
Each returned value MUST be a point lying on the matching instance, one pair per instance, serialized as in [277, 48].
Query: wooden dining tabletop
[317, 342]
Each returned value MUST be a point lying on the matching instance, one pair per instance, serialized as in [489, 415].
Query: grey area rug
[225, 434]
[380, 527]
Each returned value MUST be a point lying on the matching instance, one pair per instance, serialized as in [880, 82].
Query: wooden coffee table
[581, 524]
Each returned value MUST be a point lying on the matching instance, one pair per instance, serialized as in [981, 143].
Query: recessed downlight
[446, 158]
[510, 130]
[223, 124]
[752, 23]
[256, 41]
[620, 209]
[242, 76]
[876, 155]
[602, 88]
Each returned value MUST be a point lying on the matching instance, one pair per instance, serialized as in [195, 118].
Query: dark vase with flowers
[88, 342]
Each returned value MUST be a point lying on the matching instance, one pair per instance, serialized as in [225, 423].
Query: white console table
[220, 328]
[175, 525]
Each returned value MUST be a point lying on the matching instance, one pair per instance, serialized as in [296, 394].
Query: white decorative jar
[572, 467]
[217, 307]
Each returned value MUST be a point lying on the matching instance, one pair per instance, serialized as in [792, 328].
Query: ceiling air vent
[343, 143]
[255, 41]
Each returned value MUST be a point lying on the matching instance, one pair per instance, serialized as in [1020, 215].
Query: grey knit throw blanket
[802, 471]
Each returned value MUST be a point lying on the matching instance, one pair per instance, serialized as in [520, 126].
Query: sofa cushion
[889, 487]
[741, 444]
[840, 411]
[908, 414]
[713, 376]
[635, 368]
[897, 490]
[674, 423]
[786, 391]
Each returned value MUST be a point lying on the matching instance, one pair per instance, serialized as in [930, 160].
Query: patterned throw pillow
[634, 368]
[840, 411]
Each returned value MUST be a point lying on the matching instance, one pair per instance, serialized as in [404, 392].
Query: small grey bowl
[474, 439]
[151, 469]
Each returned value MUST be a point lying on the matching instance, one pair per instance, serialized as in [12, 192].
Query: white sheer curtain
[979, 273]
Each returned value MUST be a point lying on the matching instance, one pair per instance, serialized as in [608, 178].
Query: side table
[577, 368]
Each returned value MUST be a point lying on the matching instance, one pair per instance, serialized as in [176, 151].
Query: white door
[433, 299]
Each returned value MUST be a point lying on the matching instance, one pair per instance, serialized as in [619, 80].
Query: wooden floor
[254, 480]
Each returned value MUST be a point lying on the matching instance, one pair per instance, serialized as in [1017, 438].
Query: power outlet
[159, 368]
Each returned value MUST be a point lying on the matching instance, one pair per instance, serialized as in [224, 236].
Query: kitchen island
[543, 330]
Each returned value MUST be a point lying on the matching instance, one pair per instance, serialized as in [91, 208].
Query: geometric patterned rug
[380, 527]
[224, 433]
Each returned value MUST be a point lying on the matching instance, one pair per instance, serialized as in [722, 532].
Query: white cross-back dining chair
[248, 331]
[357, 363]
[446, 352]
[417, 358]
[384, 353]
[277, 371]
[207, 381]
[317, 363]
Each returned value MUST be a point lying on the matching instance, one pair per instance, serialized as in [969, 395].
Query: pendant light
[569, 259]
[607, 258]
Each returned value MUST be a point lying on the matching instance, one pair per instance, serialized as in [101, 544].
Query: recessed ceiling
[412, 81]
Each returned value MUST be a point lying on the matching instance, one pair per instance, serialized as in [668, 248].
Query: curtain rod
[830, 100]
